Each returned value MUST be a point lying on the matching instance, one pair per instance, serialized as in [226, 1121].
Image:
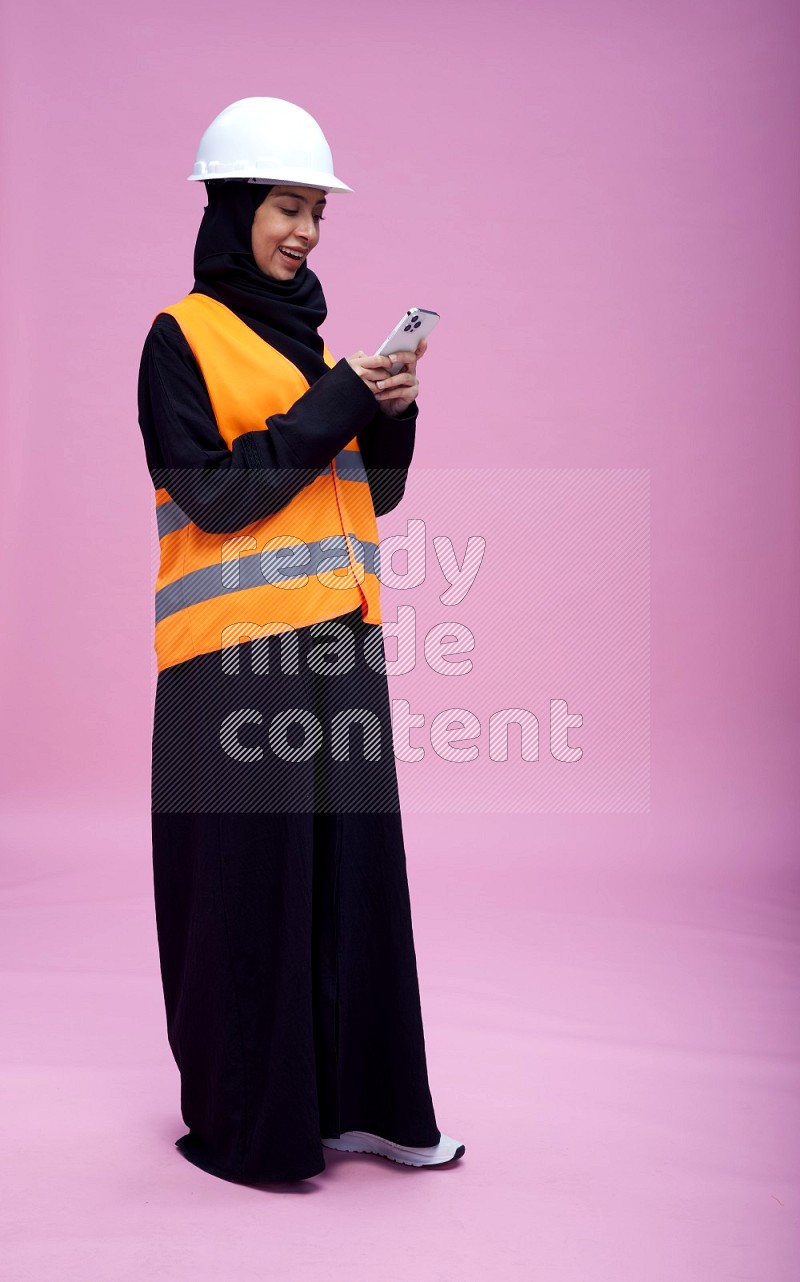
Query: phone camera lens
[407, 328]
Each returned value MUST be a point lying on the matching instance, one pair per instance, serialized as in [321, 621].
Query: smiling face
[286, 223]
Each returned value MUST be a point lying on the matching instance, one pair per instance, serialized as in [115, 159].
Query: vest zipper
[353, 561]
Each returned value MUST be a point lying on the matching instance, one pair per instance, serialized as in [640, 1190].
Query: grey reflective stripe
[170, 518]
[349, 467]
[277, 566]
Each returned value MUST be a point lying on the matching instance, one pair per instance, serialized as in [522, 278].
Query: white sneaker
[363, 1142]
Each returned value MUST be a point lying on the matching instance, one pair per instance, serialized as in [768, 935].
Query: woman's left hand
[395, 394]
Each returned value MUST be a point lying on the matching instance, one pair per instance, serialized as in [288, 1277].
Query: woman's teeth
[289, 254]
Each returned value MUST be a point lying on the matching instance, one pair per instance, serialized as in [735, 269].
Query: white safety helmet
[266, 140]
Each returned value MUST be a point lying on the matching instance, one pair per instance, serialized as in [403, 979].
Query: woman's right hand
[370, 368]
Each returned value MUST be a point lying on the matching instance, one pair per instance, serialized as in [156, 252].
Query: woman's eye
[292, 213]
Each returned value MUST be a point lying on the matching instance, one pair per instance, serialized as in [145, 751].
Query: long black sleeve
[387, 447]
[221, 490]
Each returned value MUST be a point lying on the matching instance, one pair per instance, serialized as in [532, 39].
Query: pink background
[601, 199]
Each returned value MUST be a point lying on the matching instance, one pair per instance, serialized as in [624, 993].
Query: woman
[281, 895]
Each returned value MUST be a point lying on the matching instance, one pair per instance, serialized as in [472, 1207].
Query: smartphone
[415, 325]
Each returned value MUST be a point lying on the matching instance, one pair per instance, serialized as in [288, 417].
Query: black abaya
[285, 938]
[281, 894]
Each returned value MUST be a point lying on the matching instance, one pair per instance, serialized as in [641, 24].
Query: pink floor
[611, 1010]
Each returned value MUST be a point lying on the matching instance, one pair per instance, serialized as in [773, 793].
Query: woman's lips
[289, 258]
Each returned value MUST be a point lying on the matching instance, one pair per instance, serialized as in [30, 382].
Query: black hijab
[286, 313]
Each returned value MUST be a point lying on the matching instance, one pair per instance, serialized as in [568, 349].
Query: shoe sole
[364, 1142]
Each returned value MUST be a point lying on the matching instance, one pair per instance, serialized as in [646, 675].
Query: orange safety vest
[313, 560]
